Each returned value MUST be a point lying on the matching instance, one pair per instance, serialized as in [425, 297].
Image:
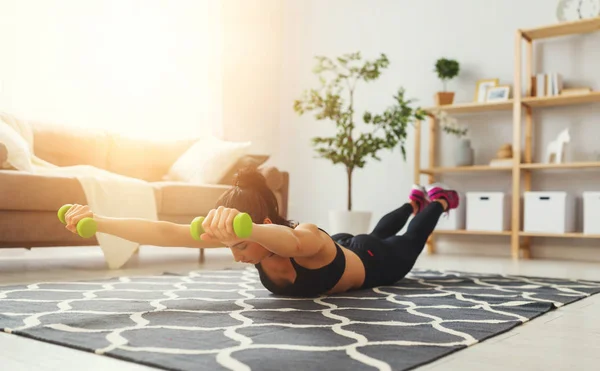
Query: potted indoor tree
[446, 69]
[334, 101]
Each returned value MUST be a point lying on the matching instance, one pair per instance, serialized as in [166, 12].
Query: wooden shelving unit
[565, 166]
[474, 233]
[535, 102]
[561, 29]
[465, 169]
[466, 108]
[564, 235]
[521, 103]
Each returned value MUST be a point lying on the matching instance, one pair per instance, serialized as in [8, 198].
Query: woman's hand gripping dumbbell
[78, 219]
[222, 224]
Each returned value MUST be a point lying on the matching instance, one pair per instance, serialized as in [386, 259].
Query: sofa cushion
[144, 159]
[3, 156]
[183, 198]
[23, 191]
[274, 177]
[253, 161]
[207, 161]
[68, 146]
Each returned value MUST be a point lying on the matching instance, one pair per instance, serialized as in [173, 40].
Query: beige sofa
[28, 203]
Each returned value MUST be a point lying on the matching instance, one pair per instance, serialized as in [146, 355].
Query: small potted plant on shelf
[446, 69]
[334, 101]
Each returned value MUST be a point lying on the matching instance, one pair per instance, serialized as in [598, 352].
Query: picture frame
[481, 89]
[497, 93]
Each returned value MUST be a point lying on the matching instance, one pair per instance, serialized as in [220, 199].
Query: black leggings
[387, 257]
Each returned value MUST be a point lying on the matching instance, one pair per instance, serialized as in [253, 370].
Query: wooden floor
[565, 339]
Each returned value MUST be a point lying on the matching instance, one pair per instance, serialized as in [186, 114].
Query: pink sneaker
[418, 195]
[438, 190]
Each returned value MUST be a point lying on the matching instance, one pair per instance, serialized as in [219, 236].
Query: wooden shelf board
[508, 233]
[459, 169]
[562, 100]
[478, 233]
[560, 235]
[563, 29]
[473, 107]
[568, 165]
[533, 166]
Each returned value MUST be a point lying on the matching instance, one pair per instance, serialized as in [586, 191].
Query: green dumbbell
[242, 226]
[86, 227]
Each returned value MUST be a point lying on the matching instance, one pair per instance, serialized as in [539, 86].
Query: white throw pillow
[19, 155]
[207, 161]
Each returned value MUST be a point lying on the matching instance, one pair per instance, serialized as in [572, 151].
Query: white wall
[147, 68]
[480, 35]
[252, 43]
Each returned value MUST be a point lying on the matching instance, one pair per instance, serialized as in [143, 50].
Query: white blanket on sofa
[112, 195]
[107, 194]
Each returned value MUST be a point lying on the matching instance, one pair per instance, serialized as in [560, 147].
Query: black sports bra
[309, 282]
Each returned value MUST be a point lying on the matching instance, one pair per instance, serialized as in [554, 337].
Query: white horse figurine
[555, 152]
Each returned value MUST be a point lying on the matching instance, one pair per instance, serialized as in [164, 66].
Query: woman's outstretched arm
[144, 232]
[305, 240]
[148, 232]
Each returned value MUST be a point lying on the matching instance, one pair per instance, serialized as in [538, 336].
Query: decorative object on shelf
[481, 89]
[505, 151]
[572, 10]
[555, 151]
[446, 69]
[464, 154]
[504, 156]
[389, 129]
[448, 123]
[497, 93]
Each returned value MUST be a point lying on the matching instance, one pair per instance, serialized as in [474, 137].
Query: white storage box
[591, 213]
[549, 212]
[488, 211]
[455, 219]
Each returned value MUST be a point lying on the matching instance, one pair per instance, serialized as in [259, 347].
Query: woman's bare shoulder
[323, 238]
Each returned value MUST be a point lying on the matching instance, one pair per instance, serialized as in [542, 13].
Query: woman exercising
[300, 260]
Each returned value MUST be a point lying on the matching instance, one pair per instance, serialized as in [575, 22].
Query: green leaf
[447, 69]
[367, 117]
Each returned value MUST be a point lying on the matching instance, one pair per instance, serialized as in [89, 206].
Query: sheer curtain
[148, 69]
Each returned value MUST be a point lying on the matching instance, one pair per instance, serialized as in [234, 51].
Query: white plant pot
[353, 222]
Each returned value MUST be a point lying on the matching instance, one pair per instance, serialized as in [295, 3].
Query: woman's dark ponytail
[252, 195]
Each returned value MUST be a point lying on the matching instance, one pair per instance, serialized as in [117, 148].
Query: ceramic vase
[464, 154]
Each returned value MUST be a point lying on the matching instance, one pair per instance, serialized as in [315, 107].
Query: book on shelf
[547, 84]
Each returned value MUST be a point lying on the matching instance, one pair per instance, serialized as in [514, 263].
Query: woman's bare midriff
[353, 276]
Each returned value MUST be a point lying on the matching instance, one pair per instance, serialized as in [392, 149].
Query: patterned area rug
[225, 320]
